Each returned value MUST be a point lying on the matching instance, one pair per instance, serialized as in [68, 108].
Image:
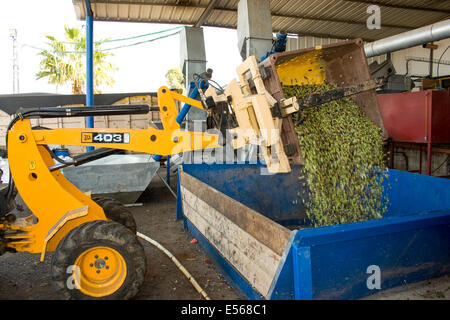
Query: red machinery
[417, 117]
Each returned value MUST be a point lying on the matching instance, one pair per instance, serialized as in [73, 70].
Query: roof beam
[381, 4]
[362, 23]
[206, 13]
[147, 3]
[303, 34]
[398, 6]
[309, 17]
[211, 7]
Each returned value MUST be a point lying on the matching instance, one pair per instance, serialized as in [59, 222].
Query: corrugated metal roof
[324, 18]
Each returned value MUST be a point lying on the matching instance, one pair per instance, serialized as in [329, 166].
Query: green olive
[344, 160]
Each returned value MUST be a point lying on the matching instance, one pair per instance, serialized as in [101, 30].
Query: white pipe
[177, 263]
[434, 32]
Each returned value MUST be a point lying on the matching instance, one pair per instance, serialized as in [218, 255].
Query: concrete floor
[23, 277]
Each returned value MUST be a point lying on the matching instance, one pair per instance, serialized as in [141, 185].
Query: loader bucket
[343, 64]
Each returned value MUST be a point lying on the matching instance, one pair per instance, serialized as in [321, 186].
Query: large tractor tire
[99, 260]
[116, 211]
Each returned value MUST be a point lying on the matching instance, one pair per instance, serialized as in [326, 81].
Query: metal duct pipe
[434, 32]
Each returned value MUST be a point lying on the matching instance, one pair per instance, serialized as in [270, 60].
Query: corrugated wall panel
[400, 59]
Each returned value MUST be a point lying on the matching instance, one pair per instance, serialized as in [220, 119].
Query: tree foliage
[175, 78]
[64, 62]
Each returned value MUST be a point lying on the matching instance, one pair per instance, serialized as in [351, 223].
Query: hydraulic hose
[177, 263]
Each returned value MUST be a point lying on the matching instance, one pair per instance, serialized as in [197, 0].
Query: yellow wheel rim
[99, 271]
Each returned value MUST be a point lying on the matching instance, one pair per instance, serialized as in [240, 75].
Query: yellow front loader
[96, 251]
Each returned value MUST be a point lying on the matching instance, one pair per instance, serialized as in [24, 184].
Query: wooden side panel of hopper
[250, 242]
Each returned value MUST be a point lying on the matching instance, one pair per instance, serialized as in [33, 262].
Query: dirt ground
[22, 276]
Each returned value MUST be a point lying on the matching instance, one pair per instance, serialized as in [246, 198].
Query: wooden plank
[75, 150]
[156, 116]
[72, 125]
[140, 124]
[118, 123]
[256, 262]
[262, 228]
[251, 247]
[141, 116]
[125, 100]
[49, 122]
[5, 120]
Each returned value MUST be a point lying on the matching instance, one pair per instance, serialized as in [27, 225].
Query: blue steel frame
[89, 64]
[331, 262]
[409, 244]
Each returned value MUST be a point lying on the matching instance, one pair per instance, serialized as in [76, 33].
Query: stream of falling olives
[344, 160]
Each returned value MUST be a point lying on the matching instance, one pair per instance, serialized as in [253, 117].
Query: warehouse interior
[321, 171]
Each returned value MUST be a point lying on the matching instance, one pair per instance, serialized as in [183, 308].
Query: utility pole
[13, 35]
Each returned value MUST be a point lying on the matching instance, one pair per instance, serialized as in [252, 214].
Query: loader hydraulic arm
[168, 141]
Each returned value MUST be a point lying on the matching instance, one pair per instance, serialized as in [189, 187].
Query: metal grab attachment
[318, 99]
[332, 95]
[288, 106]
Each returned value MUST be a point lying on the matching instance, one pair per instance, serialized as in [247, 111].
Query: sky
[142, 68]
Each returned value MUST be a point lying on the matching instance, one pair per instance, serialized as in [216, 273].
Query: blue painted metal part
[246, 184]
[409, 244]
[179, 201]
[279, 45]
[168, 171]
[413, 193]
[282, 287]
[89, 64]
[408, 248]
[302, 272]
[202, 84]
[61, 152]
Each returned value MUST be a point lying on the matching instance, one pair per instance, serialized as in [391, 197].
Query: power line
[103, 50]
[128, 38]
[138, 43]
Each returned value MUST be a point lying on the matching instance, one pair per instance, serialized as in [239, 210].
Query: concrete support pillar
[254, 28]
[193, 60]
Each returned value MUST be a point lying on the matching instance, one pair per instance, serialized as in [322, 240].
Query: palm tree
[65, 62]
